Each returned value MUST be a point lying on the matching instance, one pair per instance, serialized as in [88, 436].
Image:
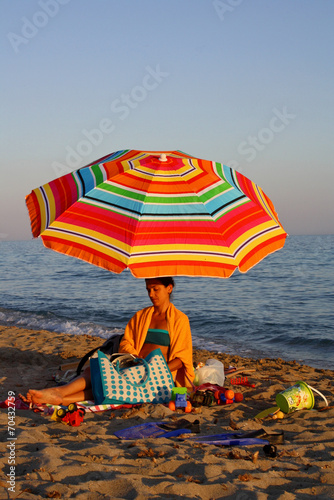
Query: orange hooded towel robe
[180, 340]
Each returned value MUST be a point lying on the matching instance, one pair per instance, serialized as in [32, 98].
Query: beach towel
[18, 404]
[88, 406]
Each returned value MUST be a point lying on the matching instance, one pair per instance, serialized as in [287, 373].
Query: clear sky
[248, 83]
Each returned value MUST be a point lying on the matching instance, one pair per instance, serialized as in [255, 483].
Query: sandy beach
[53, 460]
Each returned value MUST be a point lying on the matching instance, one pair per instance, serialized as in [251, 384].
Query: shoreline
[69, 348]
[214, 353]
[95, 464]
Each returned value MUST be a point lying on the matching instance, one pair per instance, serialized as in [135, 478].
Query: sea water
[283, 307]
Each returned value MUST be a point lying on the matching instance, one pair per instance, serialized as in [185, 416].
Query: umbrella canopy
[158, 214]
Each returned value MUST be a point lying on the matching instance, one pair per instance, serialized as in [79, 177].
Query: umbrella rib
[229, 203]
[82, 182]
[265, 231]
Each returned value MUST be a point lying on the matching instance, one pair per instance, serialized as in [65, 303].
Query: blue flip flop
[229, 440]
[258, 436]
[149, 430]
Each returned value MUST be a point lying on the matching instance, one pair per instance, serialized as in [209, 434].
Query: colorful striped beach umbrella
[158, 214]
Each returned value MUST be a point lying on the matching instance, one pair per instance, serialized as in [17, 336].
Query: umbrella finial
[163, 157]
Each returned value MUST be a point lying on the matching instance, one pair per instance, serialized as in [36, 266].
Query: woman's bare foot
[51, 396]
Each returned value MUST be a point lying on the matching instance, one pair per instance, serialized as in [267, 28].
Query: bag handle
[136, 361]
[320, 394]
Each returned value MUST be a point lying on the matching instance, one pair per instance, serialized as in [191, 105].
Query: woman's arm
[127, 343]
[135, 332]
[175, 364]
[181, 346]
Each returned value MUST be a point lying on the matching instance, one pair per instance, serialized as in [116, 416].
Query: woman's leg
[77, 390]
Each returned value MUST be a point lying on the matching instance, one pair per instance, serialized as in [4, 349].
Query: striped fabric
[88, 406]
[183, 216]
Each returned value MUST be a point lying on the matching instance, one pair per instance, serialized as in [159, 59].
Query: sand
[53, 460]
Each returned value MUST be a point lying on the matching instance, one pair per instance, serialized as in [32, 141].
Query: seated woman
[158, 326]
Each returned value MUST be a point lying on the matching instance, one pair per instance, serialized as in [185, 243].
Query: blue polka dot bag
[129, 380]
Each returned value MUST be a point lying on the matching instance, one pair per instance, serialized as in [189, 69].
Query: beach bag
[125, 379]
[109, 347]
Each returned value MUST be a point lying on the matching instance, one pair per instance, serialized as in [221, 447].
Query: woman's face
[158, 293]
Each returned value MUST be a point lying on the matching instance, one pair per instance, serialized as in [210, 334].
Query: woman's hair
[167, 280]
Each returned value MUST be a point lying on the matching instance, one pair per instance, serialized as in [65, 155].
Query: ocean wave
[316, 341]
[53, 323]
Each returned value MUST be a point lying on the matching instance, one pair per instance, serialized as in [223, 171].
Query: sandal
[65, 378]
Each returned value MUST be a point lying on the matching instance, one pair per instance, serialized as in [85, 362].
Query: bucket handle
[318, 392]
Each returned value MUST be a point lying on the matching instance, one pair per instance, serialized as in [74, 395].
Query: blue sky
[246, 83]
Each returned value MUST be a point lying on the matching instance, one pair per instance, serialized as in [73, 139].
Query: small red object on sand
[72, 415]
[238, 397]
[241, 381]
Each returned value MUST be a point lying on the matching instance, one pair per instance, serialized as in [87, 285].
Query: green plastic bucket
[297, 397]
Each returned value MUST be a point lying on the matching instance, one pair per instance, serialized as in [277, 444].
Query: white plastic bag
[211, 373]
